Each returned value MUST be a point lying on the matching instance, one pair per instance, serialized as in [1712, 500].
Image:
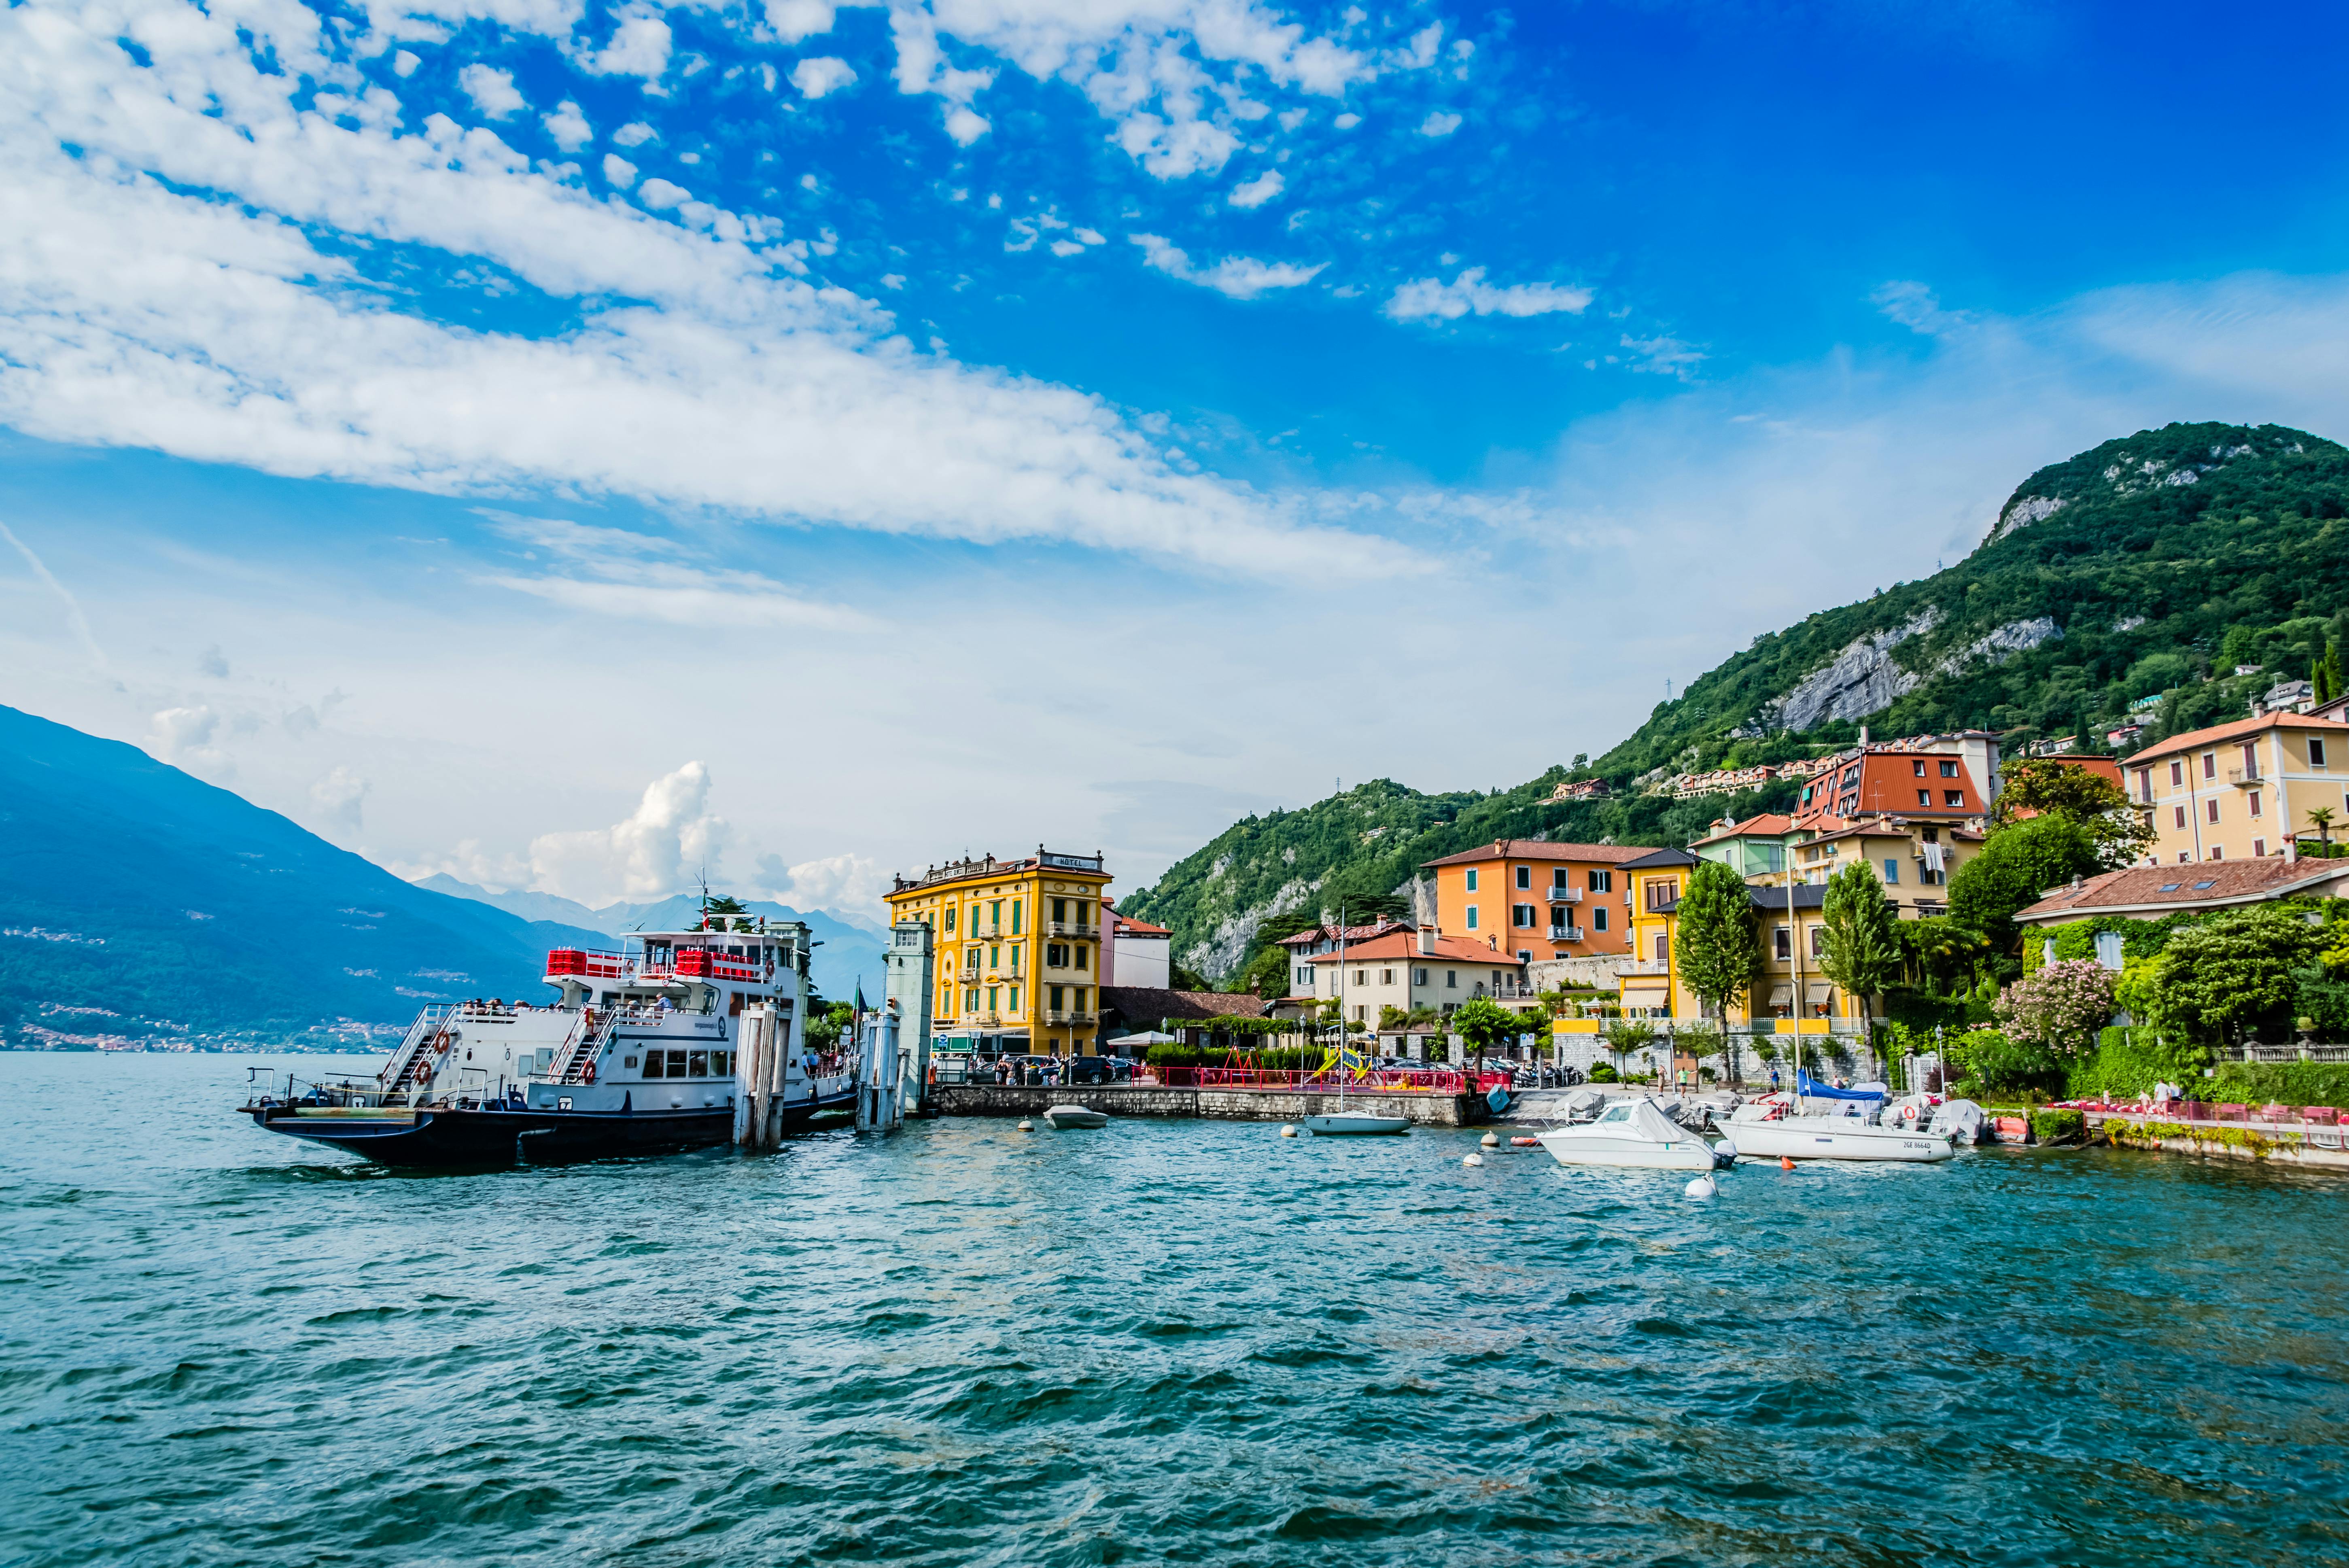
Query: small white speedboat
[1783, 1127]
[1633, 1131]
[1075, 1116]
[1355, 1123]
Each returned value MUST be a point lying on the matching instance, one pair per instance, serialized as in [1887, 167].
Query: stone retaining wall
[1227, 1104]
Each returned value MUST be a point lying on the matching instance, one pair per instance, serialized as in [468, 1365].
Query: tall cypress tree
[1862, 949]
[1719, 947]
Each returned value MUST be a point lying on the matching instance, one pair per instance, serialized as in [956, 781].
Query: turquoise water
[1164, 1342]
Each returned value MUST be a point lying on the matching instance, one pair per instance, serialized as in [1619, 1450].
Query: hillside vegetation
[2150, 566]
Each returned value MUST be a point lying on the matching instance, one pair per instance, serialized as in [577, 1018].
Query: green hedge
[2059, 1126]
[2128, 1061]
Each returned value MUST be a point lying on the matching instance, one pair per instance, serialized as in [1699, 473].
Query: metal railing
[1068, 1015]
[1564, 894]
[1642, 966]
[1565, 933]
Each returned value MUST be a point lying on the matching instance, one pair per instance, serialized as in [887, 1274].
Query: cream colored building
[2241, 790]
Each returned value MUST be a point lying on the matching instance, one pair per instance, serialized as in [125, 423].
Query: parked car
[1099, 1069]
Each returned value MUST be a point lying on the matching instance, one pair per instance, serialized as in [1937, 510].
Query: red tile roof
[1532, 850]
[1405, 943]
[1770, 824]
[2220, 734]
[1886, 785]
[1126, 926]
[2172, 890]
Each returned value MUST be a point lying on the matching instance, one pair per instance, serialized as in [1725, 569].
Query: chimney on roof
[1427, 939]
[1863, 735]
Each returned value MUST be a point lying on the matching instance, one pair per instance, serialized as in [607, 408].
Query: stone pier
[1223, 1104]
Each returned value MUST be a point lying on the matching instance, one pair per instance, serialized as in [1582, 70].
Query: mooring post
[746, 1074]
[907, 985]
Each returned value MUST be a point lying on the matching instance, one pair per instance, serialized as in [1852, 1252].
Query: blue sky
[570, 444]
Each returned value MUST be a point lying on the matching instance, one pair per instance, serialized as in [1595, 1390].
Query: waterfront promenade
[1228, 1102]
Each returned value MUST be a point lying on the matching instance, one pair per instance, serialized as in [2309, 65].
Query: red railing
[589, 965]
[1386, 1080]
[700, 963]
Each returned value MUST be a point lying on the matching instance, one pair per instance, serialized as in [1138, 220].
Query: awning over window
[1820, 992]
[1781, 995]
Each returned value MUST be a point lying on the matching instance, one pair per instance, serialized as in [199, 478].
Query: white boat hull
[1076, 1116]
[1833, 1138]
[1352, 1125]
[1583, 1146]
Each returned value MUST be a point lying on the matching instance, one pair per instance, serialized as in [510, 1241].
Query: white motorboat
[1631, 1131]
[1792, 1126]
[1075, 1116]
[1355, 1123]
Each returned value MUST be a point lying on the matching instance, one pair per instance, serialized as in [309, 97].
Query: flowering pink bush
[2061, 1007]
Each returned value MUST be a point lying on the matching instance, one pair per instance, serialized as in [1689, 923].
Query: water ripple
[1162, 1342]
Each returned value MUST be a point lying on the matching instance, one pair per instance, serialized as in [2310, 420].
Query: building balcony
[2245, 778]
[1070, 928]
[967, 974]
[1564, 894]
[1070, 1015]
[1643, 967]
[1565, 933]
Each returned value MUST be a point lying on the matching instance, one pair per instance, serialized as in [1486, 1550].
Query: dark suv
[1096, 1069]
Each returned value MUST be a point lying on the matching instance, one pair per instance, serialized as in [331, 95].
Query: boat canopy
[1810, 1087]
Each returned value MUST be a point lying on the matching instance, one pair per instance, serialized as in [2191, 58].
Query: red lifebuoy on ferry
[587, 1073]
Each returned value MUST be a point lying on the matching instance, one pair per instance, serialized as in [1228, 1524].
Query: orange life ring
[587, 1073]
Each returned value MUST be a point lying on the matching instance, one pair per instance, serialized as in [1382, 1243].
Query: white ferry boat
[635, 1052]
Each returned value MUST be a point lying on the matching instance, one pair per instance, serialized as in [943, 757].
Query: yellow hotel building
[1019, 950]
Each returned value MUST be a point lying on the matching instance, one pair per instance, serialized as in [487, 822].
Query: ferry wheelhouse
[636, 1051]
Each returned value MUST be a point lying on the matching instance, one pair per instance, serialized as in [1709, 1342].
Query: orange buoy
[1523, 1143]
[1784, 1163]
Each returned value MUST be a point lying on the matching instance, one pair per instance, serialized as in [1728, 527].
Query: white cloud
[175, 732]
[661, 847]
[1663, 355]
[844, 884]
[1439, 123]
[569, 127]
[340, 796]
[134, 315]
[639, 47]
[824, 73]
[404, 63]
[661, 195]
[618, 170]
[793, 20]
[1258, 190]
[1912, 305]
[1240, 277]
[1425, 299]
[633, 134]
[493, 91]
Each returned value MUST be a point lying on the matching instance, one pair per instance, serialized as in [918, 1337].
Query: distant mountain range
[2129, 582]
[140, 905]
[847, 950]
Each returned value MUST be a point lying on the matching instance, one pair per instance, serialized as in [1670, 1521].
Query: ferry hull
[431, 1136]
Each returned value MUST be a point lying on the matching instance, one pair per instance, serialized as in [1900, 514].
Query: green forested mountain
[2150, 567]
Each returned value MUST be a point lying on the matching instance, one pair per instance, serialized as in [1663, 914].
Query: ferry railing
[429, 1020]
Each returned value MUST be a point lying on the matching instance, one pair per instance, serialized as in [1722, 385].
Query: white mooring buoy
[1702, 1187]
[1491, 1140]
[1289, 1129]
[1025, 1125]
[1472, 1160]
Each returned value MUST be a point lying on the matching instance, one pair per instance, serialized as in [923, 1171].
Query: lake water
[1164, 1342]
